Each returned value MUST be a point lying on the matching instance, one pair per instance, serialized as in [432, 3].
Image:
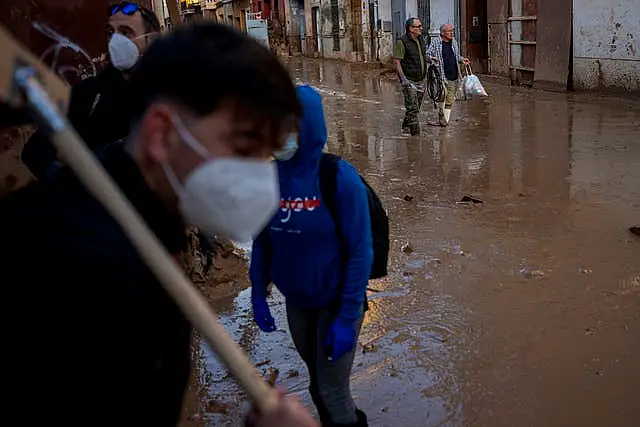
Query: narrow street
[522, 310]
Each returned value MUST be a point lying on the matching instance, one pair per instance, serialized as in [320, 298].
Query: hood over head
[312, 135]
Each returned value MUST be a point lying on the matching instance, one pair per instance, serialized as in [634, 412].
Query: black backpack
[379, 219]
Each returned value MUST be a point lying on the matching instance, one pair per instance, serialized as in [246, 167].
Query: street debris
[406, 248]
[469, 199]
[293, 374]
[530, 273]
[215, 407]
[407, 198]
[272, 376]
[264, 362]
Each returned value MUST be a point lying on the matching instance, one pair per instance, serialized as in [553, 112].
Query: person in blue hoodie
[322, 268]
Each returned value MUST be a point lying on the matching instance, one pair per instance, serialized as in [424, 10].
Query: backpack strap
[328, 177]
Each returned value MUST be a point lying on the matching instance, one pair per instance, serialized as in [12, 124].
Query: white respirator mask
[124, 53]
[233, 197]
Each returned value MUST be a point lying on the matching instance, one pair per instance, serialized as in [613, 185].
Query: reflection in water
[457, 335]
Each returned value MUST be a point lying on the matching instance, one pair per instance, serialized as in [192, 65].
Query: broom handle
[197, 310]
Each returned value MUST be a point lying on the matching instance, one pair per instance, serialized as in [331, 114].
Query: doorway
[476, 36]
[356, 29]
[373, 31]
[315, 19]
[424, 15]
[398, 16]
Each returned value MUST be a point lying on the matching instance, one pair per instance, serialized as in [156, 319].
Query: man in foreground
[409, 57]
[90, 336]
[445, 53]
[99, 108]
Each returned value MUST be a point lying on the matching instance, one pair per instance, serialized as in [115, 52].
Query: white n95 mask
[288, 150]
[123, 52]
[229, 196]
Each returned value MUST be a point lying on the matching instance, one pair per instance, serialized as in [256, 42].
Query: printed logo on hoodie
[297, 204]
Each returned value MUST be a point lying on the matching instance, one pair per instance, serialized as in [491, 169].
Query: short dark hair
[150, 20]
[201, 66]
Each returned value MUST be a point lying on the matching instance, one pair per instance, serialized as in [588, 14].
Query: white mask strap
[189, 139]
[178, 189]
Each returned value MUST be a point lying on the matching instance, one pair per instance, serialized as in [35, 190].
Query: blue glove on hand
[262, 315]
[341, 338]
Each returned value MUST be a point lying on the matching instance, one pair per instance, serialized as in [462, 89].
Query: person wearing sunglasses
[409, 57]
[99, 105]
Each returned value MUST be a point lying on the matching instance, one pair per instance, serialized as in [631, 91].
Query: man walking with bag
[445, 53]
[409, 57]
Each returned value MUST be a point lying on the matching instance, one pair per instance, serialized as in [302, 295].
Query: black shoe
[414, 130]
[362, 418]
[362, 421]
[635, 230]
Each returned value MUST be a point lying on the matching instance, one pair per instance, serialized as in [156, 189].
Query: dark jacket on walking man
[410, 59]
[445, 53]
[90, 336]
[320, 262]
[99, 107]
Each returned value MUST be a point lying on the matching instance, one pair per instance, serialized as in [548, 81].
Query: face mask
[288, 150]
[229, 196]
[123, 52]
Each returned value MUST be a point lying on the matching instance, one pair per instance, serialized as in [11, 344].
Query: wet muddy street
[522, 310]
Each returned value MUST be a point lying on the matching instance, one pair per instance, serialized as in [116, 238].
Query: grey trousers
[329, 380]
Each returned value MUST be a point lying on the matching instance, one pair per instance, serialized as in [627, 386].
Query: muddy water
[521, 310]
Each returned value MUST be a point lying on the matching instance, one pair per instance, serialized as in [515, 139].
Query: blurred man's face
[416, 28]
[130, 26]
[448, 33]
[224, 133]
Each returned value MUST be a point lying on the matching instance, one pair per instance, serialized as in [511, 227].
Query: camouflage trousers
[412, 103]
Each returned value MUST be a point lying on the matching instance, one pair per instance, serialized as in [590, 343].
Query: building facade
[558, 45]
[566, 44]
[606, 44]
[361, 30]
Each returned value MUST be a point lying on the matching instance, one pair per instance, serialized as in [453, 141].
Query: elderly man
[409, 57]
[445, 52]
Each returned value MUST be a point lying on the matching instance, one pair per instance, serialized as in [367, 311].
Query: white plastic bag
[460, 96]
[472, 86]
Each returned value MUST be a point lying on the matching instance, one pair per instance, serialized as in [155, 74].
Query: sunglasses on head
[129, 8]
[125, 7]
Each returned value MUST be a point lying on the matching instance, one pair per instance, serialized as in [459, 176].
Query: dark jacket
[98, 110]
[414, 60]
[89, 335]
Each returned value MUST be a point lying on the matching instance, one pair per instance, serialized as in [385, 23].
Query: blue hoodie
[300, 250]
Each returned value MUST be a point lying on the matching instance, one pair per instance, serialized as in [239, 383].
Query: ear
[158, 138]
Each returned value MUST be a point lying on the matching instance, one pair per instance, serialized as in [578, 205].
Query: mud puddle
[521, 310]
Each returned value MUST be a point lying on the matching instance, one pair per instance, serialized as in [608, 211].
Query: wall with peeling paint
[385, 37]
[606, 44]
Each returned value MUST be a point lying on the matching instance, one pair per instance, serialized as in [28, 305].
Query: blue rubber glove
[262, 315]
[341, 338]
